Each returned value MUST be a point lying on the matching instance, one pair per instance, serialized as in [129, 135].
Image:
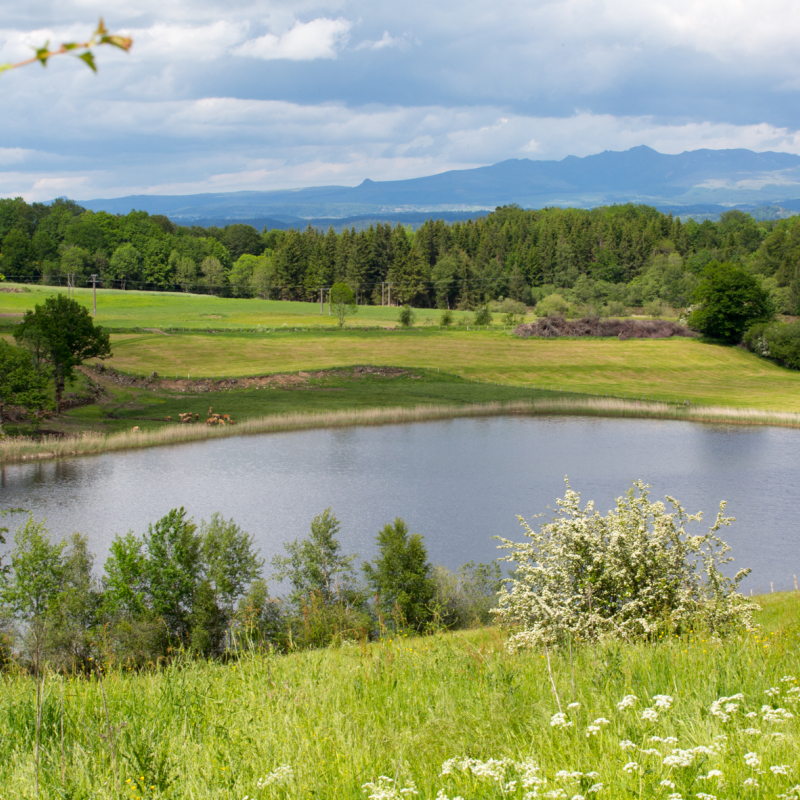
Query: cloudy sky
[239, 95]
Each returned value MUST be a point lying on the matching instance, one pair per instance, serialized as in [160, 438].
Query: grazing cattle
[135, 428]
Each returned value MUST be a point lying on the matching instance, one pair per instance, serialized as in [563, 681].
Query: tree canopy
[65, 336]
[729, 301]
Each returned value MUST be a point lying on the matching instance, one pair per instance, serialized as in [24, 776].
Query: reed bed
[24, 448]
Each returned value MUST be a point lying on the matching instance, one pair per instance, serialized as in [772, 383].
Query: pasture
[118, 309]
[681, 369]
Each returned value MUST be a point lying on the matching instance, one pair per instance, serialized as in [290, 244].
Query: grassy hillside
[401, 707]
[667, 368]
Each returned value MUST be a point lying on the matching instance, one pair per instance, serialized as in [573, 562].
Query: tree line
[184, 587]
[599, 259]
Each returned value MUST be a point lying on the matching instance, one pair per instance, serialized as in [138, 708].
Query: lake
[456, 482]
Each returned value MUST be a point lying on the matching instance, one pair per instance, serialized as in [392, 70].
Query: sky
[240, 96]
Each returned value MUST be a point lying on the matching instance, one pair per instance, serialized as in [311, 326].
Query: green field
[400, 708]
[667, 368]
[165, 310]
[184, 338]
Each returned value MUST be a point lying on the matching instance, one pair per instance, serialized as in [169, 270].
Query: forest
[599, 261]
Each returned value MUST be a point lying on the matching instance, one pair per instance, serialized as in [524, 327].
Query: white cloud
[385, 41]
[304, 41]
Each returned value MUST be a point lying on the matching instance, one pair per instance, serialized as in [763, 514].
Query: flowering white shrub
[634, 573]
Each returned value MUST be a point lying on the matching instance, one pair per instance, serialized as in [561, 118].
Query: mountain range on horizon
[697, 182]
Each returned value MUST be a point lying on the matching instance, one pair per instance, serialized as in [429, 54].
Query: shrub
[616, 309]
[633, 574]
[446, 318]
[482, 316]
[654, 309]
[407, 317]
[465, 599]
[551, 306]
[778, 341]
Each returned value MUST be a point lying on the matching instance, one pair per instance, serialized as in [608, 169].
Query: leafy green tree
[343, 301]
[125, 264]
[20, 384]
[173, 570]
[316, 564]
[74, 611]
[125, 579]
[33, 581]
[241, 239]
[231, 562]
[730, 300]
[68, 336]
[265, 276]
[213, 274]
[207, 622]
[401, 576]
[76, 260]
[17, 255]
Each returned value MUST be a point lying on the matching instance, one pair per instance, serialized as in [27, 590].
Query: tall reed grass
[23, 448]
[325, 723]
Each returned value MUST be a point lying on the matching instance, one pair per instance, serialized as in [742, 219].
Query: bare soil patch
[552, 327]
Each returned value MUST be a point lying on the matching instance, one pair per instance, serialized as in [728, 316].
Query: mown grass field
[668, 368]
[325, 723]
[164, 310]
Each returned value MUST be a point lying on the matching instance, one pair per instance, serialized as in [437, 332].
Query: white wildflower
[751, 715]
[592, 730]
[750, 783]
[573, 706]
[560, 720]
[725, 706]
[702, 750]
[601, 721]
[752, 760]
[628, 701]
[510, 787]
[386, 789]
[775, 715]
[443, 796]
[595, 788]
[650, 715]
[704, 796]
[556, 794]
[651, 751]
[631, 766]
[678, 758]
[773, 691]
[752, 731]
[278, 777]
[663, 701]
[780, 769]
[668, 784]
[665, 739]
[674, 796]
[788, 679]
[578, 797]
[627, 744]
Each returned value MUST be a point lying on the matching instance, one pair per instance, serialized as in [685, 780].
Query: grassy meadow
[682, 369]
[164, 310]
[328, 723]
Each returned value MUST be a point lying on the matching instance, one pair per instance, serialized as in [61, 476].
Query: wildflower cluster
[634, 573]
[737, 763]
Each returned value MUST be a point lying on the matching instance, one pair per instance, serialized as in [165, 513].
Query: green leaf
[88, 58]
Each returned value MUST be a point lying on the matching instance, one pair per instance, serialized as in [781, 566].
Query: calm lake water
[457, 483]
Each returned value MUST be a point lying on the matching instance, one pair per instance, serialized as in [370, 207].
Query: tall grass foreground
[442, 716]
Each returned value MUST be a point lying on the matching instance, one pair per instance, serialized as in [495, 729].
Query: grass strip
[23, 448]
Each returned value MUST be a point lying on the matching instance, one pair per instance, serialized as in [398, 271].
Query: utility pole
[389, 287]
[321, 304]
[94, 293]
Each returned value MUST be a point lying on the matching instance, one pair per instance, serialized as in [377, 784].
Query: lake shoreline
[15, 450]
